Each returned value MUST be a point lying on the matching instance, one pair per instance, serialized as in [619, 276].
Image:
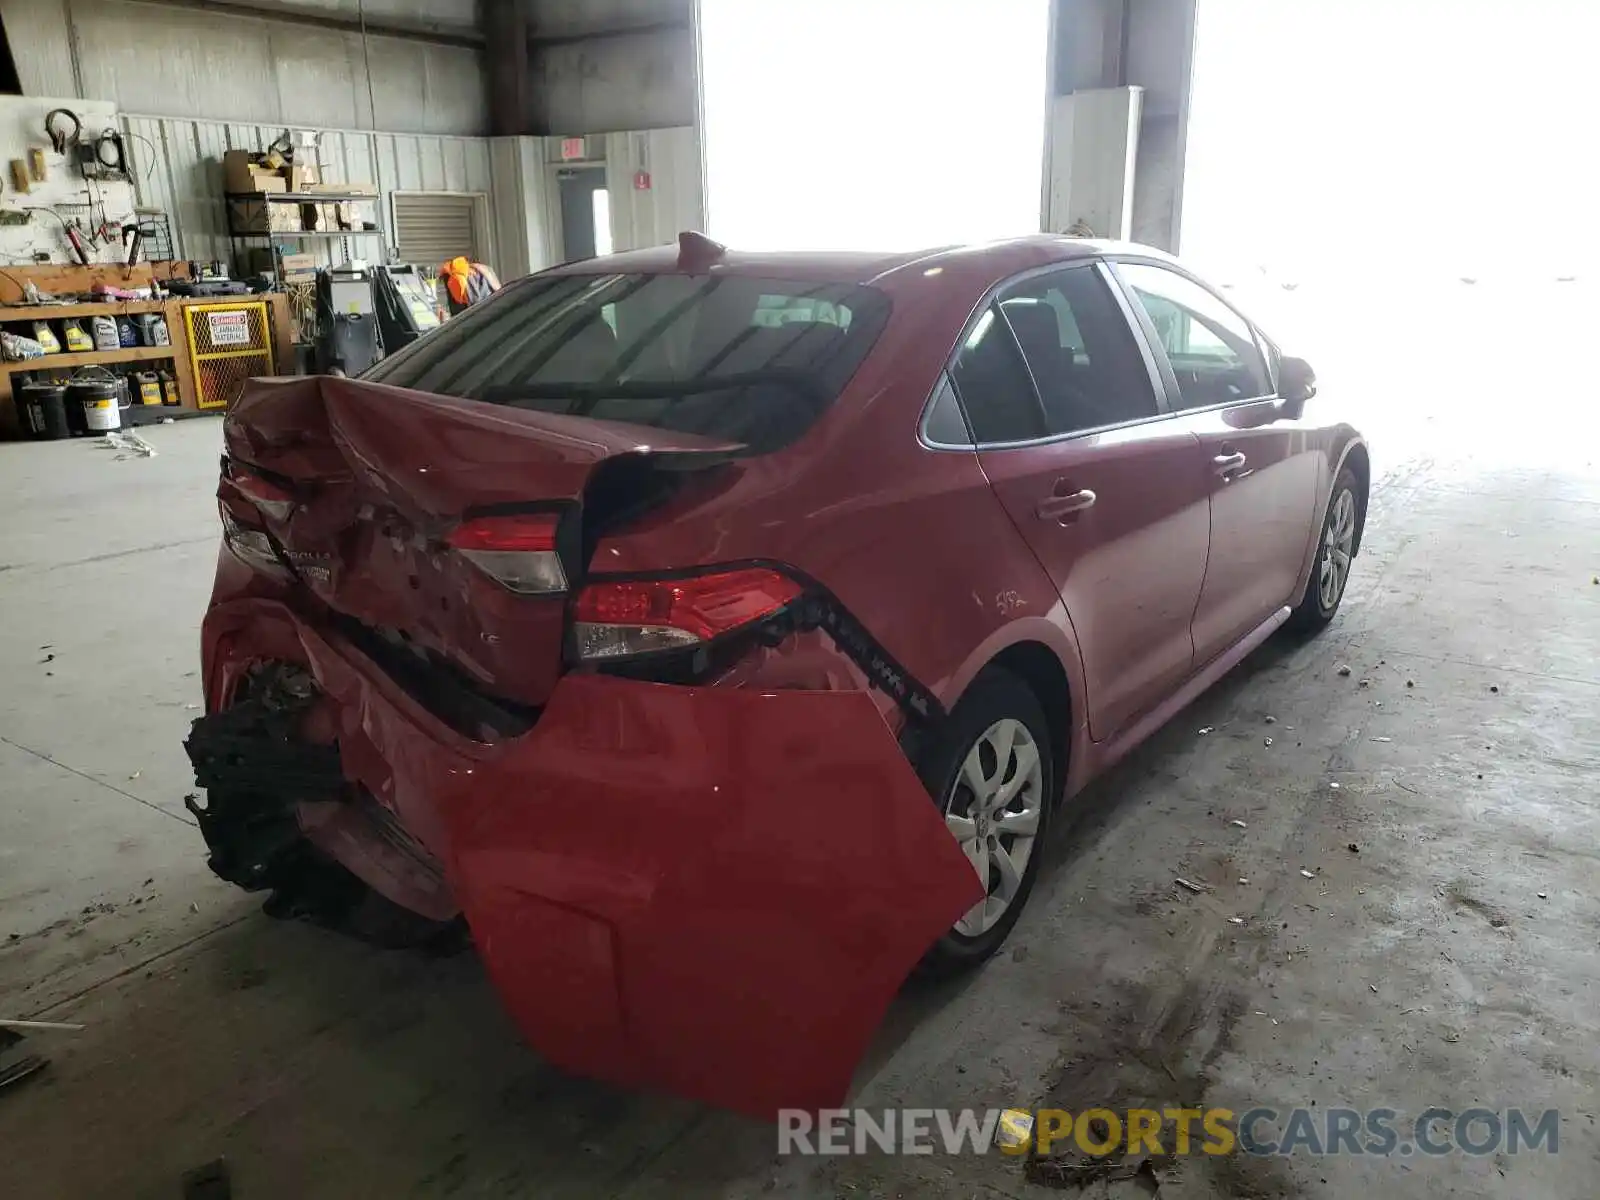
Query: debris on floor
[42, 1026]
[1307, 874]
[1353, 848]
[209, 1181]
[15, 1064]
[1084, 1172]
[1205, 729]
[132, 445]
[1494, 687]
[1344, 669]
[1238, 824]
[1272, 720]
[1191, 886]
[1267, 741]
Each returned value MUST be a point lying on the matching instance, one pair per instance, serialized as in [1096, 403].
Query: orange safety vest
[468, 282]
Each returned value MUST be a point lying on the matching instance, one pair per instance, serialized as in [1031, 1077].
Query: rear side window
[1211, 348]
[993, 382]
[1089, 370]
[750, 360]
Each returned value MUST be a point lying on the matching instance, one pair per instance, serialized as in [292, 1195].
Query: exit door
[585, 213]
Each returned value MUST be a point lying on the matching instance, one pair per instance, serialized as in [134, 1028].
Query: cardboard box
[346, 189]
[320, 216]
[242, 174]
[257, 216]
[303, 177]
[298, 266]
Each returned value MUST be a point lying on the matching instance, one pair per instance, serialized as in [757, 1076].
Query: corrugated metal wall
[183, 176]
[524, 209]
[177, 62]
[527, 205]
[674, 201]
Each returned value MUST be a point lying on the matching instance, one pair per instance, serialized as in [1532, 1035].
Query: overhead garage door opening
[1441, 130]
[843, 125]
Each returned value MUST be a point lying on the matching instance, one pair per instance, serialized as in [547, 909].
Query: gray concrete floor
[1423, 968]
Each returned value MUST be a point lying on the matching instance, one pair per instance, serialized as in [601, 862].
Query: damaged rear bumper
[711, 891]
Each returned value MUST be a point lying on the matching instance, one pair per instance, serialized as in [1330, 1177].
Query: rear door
[1107, 491]
[1260, 463]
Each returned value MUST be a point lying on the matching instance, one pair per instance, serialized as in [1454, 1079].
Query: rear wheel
[993, 777]
[1336, 550]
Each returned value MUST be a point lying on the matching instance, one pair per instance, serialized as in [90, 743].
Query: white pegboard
[64, 188]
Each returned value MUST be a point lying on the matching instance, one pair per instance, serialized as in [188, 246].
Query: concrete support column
[505, 26]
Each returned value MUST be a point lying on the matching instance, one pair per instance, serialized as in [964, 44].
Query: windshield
[738, 358]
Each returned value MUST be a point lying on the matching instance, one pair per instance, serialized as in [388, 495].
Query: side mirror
[1297, 383]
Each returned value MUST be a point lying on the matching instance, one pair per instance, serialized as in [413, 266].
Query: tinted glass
[945, 425]
[752, 360]
[1212, 349]
[994, 385]
[1083, 356]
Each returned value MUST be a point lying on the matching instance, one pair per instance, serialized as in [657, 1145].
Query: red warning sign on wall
[641, 181]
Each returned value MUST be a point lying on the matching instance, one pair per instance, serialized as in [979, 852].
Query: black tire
[996, 695]
[1313, 614]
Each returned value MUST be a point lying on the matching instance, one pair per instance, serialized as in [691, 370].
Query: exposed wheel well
[1361, 466]
[1037, 665]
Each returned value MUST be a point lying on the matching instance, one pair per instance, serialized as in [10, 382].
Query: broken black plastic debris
[210, 1181]
[15, 1064]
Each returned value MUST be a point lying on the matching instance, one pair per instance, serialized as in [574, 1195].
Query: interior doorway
[585, 213]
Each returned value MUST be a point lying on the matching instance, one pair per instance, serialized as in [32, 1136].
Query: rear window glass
[745, 359]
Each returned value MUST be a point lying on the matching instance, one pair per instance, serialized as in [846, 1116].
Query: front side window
[750, 360]
[1083, 357]
[1211, 348]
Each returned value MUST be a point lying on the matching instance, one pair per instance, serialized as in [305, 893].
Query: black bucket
[42, 410]
[92, 406]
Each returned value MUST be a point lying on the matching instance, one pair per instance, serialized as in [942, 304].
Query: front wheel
[1335, 551]
[993, 777]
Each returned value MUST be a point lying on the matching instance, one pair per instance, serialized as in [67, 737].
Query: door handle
[1226, 464]
[1057, 507]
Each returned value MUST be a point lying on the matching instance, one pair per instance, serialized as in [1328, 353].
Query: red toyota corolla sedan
[715, 634]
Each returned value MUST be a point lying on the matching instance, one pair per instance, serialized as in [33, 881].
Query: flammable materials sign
[229, 328]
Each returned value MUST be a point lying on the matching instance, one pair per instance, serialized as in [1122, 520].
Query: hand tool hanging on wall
[61, 137]
[132, 238]
[76, 239]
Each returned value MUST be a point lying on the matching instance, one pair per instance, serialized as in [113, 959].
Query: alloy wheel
[993, 812]
[1338, 545]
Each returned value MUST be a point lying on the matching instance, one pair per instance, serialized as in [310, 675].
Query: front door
[585, 213]
[1102, 485]
[1261, 464]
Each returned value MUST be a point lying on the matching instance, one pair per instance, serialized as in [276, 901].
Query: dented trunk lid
[379, 476]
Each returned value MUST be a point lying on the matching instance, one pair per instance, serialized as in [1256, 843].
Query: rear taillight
[251, 546]
[616, 619]
[517, 550]
[275, 501]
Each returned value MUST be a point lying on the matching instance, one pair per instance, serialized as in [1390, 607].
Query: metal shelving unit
[274, 237]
